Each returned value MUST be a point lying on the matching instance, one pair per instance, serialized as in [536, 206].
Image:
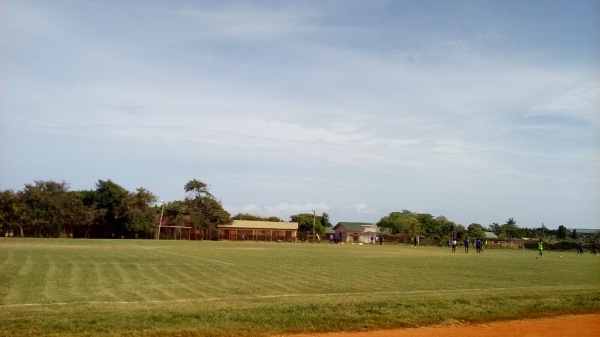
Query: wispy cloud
[288, 107]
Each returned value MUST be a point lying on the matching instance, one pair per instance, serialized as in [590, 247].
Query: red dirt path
[562, 326]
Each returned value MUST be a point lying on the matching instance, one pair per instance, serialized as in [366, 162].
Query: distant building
[258, 231]
[359, 232]
[586, 232]
[490, 236]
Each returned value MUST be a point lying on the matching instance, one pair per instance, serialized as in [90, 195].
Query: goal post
[176, 232]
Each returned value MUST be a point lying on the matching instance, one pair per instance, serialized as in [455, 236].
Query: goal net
[175, 232]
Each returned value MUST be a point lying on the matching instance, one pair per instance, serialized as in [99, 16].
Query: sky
[478, 111]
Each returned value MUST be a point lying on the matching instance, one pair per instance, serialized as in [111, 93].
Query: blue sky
[479, 111]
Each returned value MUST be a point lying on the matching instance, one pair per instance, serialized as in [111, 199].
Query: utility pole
[314, 216]
[542, 229]
[160, 220]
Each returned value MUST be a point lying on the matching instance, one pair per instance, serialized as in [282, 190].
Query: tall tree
[111, 198]
[138, 213]
[209, 212]
[325, 220]
[306, 220]
[401, 222]
[45, 208]
[495, 228]
[574, 234]
[447, 228]
[197, 188]
[511, 230]
[562, 232]
[475, 230]
[11, 211]
[429, 224]
[246, 216]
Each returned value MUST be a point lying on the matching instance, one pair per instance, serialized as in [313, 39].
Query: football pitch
[70, 287]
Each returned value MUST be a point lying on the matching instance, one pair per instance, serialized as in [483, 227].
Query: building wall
[257, 234]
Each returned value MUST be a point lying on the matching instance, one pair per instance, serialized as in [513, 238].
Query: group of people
[478, 244]
[376, 239]
[594, 249]
[579, 249]
[335, 238]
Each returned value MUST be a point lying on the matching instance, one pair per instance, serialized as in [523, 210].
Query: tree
[401, 222]
[138, 214]
[447, 228]
[460, 231]
[574, 234]
[197, 188]
[80, 217]
[429, 224]
[495, 228]
[511, 230]
[111, 198]
[562, 232]
[11, 211]
[252, 217]
[306, 221]
[325, 220]
[476, 230]
[208, 211]
[45, 208]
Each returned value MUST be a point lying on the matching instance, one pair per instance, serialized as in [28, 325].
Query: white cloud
[299, 102]
[282, 210]
[577, 101]
[245, 21]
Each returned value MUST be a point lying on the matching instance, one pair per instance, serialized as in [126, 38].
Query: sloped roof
[356, 226]
[251, 224]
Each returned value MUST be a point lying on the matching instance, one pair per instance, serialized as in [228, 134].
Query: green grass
[65, 287]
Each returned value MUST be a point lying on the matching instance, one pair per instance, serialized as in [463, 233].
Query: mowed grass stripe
[100, 287]
[374, 295]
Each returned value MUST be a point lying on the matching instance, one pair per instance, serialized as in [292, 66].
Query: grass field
[66, 287]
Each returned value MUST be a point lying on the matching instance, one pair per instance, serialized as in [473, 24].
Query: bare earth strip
[562, 326]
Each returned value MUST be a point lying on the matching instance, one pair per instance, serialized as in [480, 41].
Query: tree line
[51, 209]
[440, 227]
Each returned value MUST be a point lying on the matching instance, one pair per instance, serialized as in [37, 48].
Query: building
[259, 231]
[355, 232]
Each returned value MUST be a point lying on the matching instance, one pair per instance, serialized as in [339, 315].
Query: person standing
[454, 245]
[541, 248]
[466, 245]
[580, 248]
[478, 245]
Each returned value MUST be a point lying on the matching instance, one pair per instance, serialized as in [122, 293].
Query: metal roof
[356, 226]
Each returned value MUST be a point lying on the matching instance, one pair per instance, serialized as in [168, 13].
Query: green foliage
[401, 222]
[510, 230]
[308, 221]
[446, 227]
[430, 226]
[562, 232]
[49, 209]
[495, 228]
[325, 220]
[252, 217]
[475, 230]
[197, 189]
[45, 210]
